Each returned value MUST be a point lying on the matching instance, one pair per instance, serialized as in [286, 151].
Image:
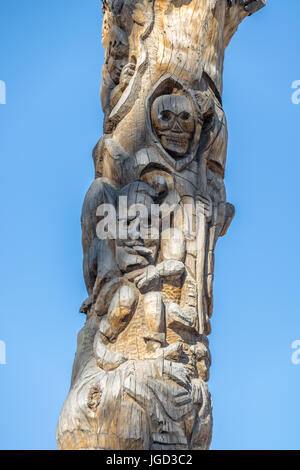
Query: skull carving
[174, 123]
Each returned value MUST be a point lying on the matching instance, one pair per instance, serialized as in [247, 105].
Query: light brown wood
[142, 362]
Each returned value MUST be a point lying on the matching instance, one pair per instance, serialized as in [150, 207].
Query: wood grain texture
[140, 374]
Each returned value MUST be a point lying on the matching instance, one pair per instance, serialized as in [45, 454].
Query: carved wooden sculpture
[142, 363]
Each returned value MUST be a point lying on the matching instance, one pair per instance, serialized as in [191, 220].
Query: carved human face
[173, 121]
[118, 58]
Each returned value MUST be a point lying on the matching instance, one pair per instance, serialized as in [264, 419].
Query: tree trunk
[150, 222]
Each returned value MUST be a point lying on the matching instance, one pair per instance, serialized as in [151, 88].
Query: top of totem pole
[186, 38]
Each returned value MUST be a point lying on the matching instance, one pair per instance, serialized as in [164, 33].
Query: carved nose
[177, 127]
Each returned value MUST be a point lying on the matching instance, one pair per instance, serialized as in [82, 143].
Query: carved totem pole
[142, 362]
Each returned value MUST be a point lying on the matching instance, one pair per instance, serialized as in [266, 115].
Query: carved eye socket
[185, 116]
[166, 115]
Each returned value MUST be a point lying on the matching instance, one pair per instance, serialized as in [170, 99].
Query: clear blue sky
[51, 58]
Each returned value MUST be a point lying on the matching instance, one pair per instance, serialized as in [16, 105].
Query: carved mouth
[176, 140]
[175, 144]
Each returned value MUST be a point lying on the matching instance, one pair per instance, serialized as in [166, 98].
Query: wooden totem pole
[150, 223]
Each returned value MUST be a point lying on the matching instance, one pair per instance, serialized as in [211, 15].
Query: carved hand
[126, 74]
[206, 202]
[147, 278]
[170, 268]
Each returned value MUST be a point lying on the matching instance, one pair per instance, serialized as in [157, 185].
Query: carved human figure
[117, 72]
[142, 362]
[170, 265]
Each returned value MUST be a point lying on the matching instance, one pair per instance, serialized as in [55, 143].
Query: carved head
[117, 54]
[174, 123]
[135, 218]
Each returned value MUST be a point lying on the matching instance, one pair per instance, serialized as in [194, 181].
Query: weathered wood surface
[142, 362]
